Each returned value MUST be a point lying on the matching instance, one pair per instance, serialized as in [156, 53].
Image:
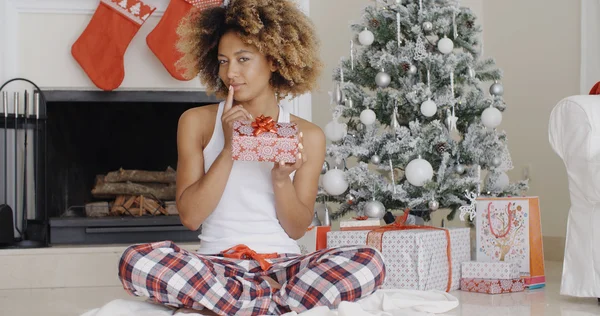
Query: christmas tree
[411, 111]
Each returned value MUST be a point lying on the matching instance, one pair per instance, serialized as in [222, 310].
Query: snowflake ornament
[470, 208]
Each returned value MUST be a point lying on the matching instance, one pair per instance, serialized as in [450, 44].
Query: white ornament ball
[496, 162]
[412, 69]
[383, 79]
[502, 181]
[445, 45]
[434, 205]
[491, 117]
[460, 169]
[368, 117]
[335, 131]
[334, 182]
[428, 108]
[427, 26]
[374, 209]
[366, 37]
[375, 159]
[418, 172]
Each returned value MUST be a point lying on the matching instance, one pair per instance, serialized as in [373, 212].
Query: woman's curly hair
[277, 28]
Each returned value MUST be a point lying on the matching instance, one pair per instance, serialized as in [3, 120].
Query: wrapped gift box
[314, 239]
[492, 286]
[264, 140]
[490, 270]
[360, 224]
[417, 258]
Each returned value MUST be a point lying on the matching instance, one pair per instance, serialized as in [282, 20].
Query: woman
[254, 52]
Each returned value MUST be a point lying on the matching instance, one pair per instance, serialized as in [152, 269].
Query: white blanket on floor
[381, 303]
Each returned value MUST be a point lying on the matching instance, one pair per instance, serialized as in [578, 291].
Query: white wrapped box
[416, 258]
[354, 224]
[490, 270]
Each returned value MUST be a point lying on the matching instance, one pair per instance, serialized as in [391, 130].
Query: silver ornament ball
[350, 199]
[460, 169]
[496, 162]
[427, 26]
[434, 205]
[412, 70]
[325, 167]
[374, 209]
[383, 79]
[375, 159]
[496, 89]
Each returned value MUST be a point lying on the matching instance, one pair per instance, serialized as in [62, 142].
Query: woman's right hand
[230, 114]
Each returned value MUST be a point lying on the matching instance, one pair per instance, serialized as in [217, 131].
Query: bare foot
[193, 311]
[274, 285]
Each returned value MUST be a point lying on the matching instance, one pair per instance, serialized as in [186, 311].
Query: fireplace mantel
[36, 38]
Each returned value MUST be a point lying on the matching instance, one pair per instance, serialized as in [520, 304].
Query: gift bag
[314, 239]
[509, 229]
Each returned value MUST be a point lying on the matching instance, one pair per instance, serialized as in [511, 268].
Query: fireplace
[92, 133]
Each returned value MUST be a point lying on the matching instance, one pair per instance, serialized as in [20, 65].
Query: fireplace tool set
[16, 230]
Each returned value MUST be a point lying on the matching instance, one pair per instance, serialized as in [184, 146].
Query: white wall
[537, 44]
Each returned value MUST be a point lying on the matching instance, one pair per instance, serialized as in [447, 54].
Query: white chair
[574, 133]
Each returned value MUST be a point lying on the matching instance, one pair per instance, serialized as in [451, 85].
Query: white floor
[74, 298]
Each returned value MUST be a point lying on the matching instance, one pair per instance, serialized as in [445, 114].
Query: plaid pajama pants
[175, 277]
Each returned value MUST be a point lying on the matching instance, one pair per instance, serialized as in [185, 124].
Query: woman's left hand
[281, 171]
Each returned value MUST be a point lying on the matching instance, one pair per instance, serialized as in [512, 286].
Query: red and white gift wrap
[416, 257]
[490, 270]
[492, 286]
[265, 140]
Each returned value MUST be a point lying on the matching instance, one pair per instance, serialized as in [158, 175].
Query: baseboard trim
[554, 248]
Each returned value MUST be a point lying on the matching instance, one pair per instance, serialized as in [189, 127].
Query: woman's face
[244, 67]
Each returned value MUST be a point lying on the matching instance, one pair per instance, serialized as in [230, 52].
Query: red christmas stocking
[101, 47]
[163, 38]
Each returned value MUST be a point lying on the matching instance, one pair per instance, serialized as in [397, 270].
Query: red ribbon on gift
[264, 124]
[244, 252]
[361, 218]
[375, 238]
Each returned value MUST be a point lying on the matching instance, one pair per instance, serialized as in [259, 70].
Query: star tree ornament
[451, 120]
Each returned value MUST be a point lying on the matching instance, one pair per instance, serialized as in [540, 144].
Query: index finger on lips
[229, 100]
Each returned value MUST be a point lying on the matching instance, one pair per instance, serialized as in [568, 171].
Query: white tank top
[246, 212]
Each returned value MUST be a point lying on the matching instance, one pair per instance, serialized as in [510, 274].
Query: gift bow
[375, 238]
[244, 252]
[263, 124]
